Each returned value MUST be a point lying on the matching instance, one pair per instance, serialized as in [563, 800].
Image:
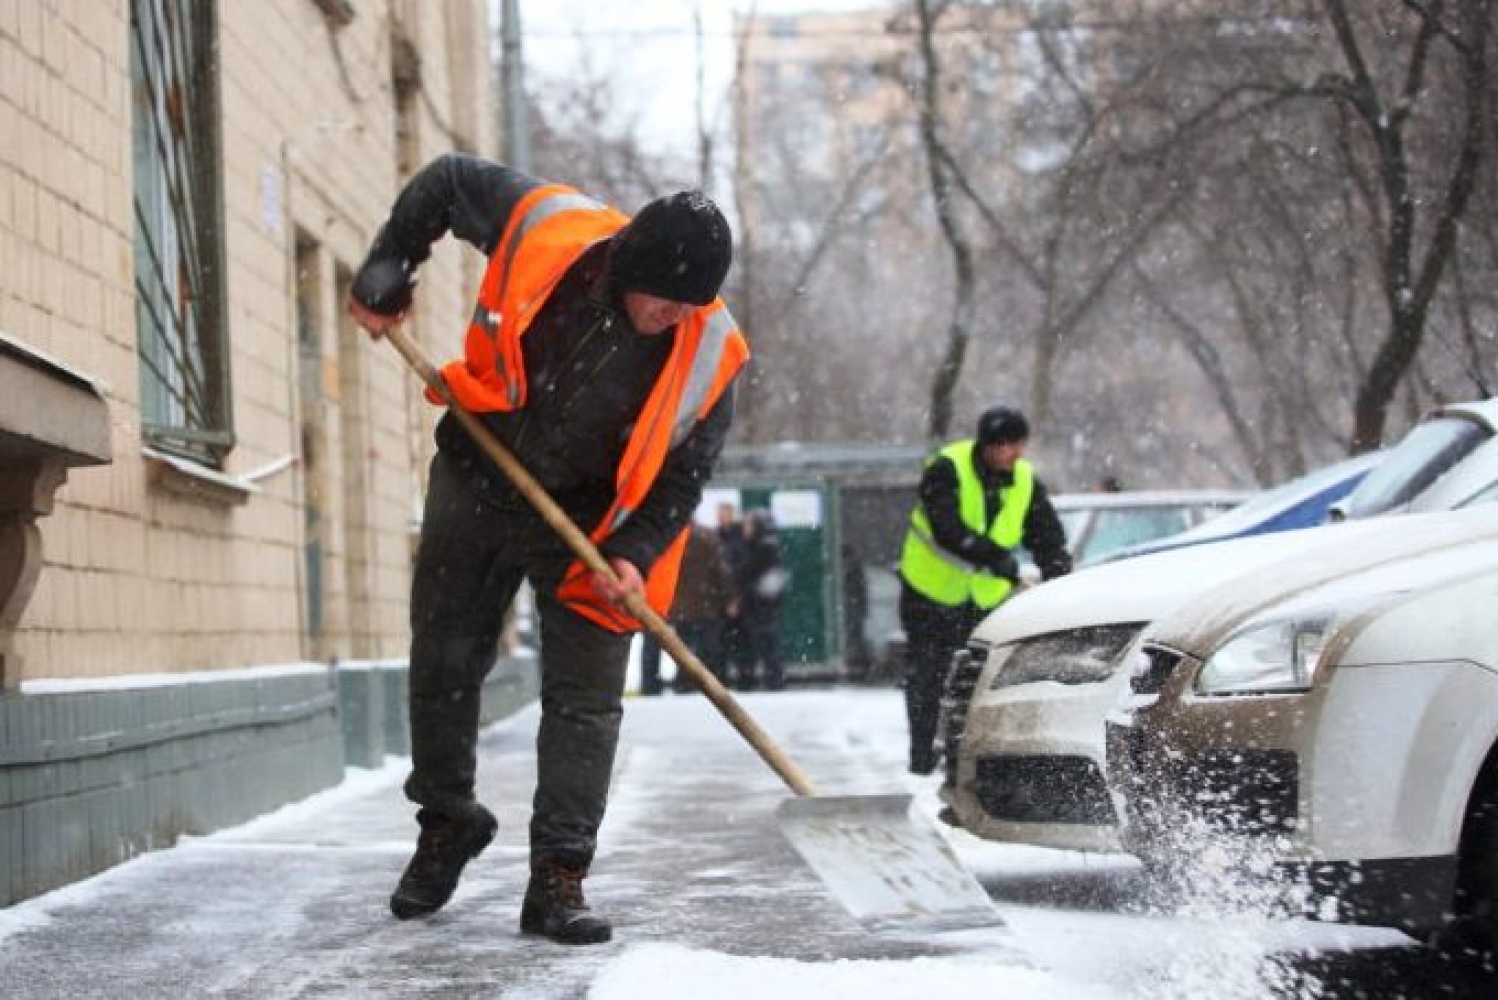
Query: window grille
[182, 342]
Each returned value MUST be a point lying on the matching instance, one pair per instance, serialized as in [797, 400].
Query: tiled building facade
[205, 467]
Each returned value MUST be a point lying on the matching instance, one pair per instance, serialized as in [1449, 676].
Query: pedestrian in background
[978, 500]
[732, 541]
[704, 598]
[857, 657]
[762, 580]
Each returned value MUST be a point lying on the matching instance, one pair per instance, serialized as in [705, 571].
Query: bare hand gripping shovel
[888, 870]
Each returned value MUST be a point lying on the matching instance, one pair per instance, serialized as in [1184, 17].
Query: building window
[179, 276]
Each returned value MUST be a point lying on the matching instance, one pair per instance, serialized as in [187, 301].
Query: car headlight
[1270, 657]
[1077, 656]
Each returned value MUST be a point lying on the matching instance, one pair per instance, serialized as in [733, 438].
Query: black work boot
[554, 907]
[444, 847]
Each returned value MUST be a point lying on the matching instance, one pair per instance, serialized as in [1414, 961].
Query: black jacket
[587, 369]
[761, 573]
[1044, 536]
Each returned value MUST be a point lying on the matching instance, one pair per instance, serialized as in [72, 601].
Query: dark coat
[762, 575]
[705, 590]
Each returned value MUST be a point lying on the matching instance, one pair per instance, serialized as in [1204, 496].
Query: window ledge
[184, 477]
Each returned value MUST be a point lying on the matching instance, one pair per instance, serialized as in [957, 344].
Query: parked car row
[1336, 717]
[1330, 694]
[1097, 525]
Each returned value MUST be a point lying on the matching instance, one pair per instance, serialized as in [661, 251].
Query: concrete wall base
[89, 779]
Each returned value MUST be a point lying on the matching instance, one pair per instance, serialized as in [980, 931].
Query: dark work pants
[933, 633]
[472, 560]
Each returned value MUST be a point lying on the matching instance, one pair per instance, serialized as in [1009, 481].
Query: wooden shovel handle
[583, 546]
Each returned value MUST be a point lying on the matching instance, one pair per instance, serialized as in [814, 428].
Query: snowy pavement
[707, 898]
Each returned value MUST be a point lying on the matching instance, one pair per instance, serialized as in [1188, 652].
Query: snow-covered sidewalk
[707, 898]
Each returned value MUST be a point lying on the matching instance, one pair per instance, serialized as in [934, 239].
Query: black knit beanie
[1002, 425]
[677, 248]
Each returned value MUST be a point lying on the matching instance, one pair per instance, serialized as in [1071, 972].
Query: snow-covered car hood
[1412, 553]
[1150, 587]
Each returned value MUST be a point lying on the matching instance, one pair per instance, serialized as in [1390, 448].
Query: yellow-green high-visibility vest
[943, 576]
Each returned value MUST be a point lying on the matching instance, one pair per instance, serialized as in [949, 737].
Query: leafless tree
[1371, 121]
[1196, 238]
[940, 170]
[1392, 77]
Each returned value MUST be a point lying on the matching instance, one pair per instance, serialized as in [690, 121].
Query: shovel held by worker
[887, 870]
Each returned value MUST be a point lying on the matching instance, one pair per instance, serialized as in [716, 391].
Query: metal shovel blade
[890, 871]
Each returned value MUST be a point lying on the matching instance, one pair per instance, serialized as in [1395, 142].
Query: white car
[1411, 475]
[1025, 702]
[1334, 720]
[1034, 743]
[1023, 731]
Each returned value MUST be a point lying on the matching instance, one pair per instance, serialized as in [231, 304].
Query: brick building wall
[148, 566]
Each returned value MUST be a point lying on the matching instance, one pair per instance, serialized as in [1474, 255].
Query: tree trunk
[959, 330]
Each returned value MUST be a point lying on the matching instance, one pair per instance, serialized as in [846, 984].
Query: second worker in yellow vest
[978, 501]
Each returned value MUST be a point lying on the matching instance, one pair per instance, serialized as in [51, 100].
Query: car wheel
[1477, 872]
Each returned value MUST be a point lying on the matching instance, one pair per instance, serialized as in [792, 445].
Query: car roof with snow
[1442, 439]
[1484, 411]
[1149, 498]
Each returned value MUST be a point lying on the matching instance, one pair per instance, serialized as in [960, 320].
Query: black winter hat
[1001, 425]
[677, 247]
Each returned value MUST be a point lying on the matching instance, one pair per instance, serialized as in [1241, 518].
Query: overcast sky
[649, 46]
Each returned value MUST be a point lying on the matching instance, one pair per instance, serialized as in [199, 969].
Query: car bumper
[1173, 801]
[1030, 768]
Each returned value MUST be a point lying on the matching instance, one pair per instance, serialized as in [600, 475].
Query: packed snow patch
[675, 971]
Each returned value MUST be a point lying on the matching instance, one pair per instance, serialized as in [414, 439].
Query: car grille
[1151, 676]
[956, 697]
[1043, 789]
[1241, 792]
[1245, 791]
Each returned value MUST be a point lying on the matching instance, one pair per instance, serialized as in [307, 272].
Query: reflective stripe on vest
[550, 229]
[943, 576]
[710, 353]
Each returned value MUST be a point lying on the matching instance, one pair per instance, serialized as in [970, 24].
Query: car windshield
[1413, 464]
[1115, 529]
[1072, 522]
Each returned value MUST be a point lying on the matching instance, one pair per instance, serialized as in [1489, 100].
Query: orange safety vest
[548, 230]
